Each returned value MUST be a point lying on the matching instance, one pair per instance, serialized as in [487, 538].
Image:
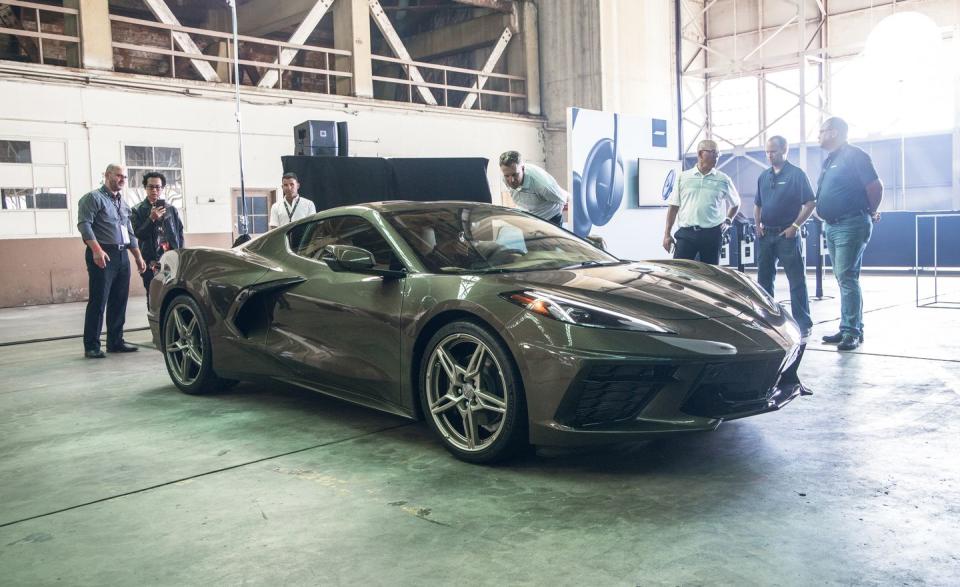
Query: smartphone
[160, 203]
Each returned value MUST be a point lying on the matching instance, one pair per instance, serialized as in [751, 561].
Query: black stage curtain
[341, 181]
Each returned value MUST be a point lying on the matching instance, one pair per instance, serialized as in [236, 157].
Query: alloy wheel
[183, 344]
[466, 392]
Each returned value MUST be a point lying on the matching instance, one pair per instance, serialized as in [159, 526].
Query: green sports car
[499, 329]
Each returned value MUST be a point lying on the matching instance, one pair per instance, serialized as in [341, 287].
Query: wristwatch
[795, 225]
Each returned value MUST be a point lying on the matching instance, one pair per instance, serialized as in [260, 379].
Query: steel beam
[160, 9]
[498, 5]
[498, 49]
[396, 44]
[299, 37]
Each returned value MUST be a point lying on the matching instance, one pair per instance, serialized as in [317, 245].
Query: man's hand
[760, 230]
[157, 213]
[100, 258]
[668, 243]
[141, 265]
[727, 223]
[875, 216]
[789, 232]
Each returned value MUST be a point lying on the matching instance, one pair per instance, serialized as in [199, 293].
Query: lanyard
[289, 211]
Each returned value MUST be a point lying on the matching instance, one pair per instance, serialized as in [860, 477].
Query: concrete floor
[110, 476]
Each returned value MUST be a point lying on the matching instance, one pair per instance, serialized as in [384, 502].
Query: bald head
[115, 177]
[833, 133]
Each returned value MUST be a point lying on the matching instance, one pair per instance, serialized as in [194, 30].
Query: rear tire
[187, 351]
[472, 395]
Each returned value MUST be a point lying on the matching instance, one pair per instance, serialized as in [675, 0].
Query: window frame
[396, 257]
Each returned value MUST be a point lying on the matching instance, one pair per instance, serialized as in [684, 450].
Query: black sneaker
[94, 354]
[837, 338]
[848, 343]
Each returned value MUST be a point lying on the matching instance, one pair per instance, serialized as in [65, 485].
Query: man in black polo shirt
[784, 202]
[848, 199]
[158, 227]
[104, 225]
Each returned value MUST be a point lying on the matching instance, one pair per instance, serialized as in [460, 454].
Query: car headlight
[574, 312]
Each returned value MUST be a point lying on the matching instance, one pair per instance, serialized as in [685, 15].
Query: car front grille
[609, 394]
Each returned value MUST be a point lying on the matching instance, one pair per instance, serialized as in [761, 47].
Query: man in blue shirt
[104, 224]
[848, 200]
[784, 202]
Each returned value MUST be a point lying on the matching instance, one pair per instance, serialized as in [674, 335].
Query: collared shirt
[102, 216]
[781, 195]
[539, 193]
[841, 190]
[284, 213]
[151, 234]
[703, 198]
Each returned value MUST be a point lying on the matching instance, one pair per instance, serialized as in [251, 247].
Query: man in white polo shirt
[705, 203]
[532, 188]
[291, 207]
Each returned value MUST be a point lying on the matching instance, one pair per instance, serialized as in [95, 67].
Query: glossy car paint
[361, 337]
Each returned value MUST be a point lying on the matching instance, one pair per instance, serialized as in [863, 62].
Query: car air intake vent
[613, 393]
[728, 389]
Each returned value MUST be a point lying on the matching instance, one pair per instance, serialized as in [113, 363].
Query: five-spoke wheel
[471, 393]
[186, 347]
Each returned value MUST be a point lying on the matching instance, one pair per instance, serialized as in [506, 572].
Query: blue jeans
[846, 241]
[772, 247]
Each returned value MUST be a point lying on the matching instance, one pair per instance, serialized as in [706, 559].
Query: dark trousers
[147, 277]
[109, 288]
[703, 243]
[558, 219]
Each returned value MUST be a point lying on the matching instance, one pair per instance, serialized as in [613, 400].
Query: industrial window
[34, 198]
[32, 175]
[166, 160]
[14, 151]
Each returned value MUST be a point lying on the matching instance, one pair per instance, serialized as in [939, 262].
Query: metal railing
[477, 79]
[39, 35]
[330, 74]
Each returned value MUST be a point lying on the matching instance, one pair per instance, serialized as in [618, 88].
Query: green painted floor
[109, 476]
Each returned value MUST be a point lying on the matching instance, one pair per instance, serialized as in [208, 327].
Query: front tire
[186, 348]
[472, 395]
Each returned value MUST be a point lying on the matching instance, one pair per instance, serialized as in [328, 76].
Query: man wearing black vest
[848, 201]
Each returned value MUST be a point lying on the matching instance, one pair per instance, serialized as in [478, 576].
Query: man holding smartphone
[157, 226]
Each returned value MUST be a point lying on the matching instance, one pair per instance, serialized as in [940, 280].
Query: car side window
[309, 239]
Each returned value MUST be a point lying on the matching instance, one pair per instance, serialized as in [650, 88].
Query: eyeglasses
[118, 176]
[153, 187]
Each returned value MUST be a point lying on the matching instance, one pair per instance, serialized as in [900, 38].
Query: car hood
[664, 290]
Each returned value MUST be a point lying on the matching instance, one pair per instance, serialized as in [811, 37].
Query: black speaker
[317, 138]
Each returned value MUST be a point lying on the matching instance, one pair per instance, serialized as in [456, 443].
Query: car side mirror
[347, 258]
[344, 258]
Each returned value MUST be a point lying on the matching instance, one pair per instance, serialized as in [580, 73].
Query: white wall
[95, 121]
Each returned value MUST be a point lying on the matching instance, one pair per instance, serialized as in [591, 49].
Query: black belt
[702, 227]
[844, 217]
[114, 247]
[774, 228]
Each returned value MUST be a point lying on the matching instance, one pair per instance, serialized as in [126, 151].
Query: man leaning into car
[705, 203]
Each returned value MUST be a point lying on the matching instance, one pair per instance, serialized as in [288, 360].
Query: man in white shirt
[705, 202]
[532, 188]
[291, 207]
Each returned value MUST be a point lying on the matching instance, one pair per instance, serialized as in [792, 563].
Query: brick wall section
[52, 270]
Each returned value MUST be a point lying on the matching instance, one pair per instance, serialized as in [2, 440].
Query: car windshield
[477, 239]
